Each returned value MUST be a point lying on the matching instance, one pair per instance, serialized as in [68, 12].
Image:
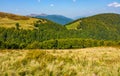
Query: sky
[68, 8]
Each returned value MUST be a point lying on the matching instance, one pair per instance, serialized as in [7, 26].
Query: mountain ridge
[93, 16]
[60, 19]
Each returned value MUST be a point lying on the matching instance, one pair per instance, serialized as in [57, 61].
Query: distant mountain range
[55, 18]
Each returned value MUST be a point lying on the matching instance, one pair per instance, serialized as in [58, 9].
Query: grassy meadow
[73, 25]
[24, 24]
[99, 61]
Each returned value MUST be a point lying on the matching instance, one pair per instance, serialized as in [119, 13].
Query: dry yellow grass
[25, 24]
[100, 61]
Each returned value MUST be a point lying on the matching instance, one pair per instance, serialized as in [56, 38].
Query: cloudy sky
[69, 8]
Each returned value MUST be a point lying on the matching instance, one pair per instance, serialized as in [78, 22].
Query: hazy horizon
[68, 8]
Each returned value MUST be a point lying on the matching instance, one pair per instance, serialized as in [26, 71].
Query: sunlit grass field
[73, 25]
[100, 61]
[24, 24]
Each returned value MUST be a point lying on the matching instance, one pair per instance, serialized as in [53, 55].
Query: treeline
[70, 43]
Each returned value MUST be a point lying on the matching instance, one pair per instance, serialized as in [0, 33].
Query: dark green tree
[17, 26]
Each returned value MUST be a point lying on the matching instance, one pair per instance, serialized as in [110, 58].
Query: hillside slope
[8, 20]
[89, 32]
[100, 26]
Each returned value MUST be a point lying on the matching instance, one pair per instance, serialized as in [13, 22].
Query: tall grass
[103, 61]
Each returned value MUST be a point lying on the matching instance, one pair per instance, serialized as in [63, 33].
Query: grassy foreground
[102, 61]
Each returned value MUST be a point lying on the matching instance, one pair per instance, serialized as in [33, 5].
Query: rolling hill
[101, 26]
[103, 19]
[55, 18]
[98, 30]
[8, 20]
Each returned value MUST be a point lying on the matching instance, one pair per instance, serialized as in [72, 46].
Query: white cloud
[51, 5]
[114, 4]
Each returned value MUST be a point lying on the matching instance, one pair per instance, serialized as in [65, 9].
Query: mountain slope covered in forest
[102, 26]
[98, 30]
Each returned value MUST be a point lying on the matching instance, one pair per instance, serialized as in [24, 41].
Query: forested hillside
[91, 32]
[102, 26]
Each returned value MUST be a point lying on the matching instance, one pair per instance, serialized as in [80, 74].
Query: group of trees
[50, 35]
[16, 38]
[71, 43]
